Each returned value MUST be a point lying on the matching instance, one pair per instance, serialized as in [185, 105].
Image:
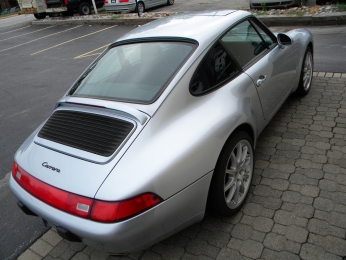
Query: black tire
[40, 16]
[306, 73]
[140, 8]
[170, 2]
[239, 176]
[84, 8]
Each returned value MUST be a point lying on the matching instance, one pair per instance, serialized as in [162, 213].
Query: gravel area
[294, 11]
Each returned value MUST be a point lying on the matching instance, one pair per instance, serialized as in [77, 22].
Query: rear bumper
[137, 233]
[120, 7]
[56, 10]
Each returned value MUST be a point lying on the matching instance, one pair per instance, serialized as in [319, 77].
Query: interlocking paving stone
[313, 252]
[228, 253]
[297, 203]
[41, 248]
[52, 237]
[273, 255]
[169, 251]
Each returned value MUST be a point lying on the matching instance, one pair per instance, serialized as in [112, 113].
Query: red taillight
[80, 206]
[124, 1]
[66, 2]
[105, 1]
[60, 199]
[105, 211]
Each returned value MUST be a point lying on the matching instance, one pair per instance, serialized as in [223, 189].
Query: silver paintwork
[131, 5]
[171, 216]
[177, 140]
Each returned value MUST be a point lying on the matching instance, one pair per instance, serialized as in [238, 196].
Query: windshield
[136, 72]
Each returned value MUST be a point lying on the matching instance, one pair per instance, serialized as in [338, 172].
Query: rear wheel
[84, 9]
[170, 2]
[232, 176]
[306, 73]
[140, 8]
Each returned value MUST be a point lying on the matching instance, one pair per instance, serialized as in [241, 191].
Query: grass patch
[295, 12]
[341, 7]
[117, 16]
[102, 12]
[264, 6]
[9, 14]
[259, 13]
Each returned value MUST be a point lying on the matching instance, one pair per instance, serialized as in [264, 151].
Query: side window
[268, 40]
[244, 43]
[215, 68]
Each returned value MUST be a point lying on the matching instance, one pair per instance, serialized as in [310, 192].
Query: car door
[271, 68]
[150, 3]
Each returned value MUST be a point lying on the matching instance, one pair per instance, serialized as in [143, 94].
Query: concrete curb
[270, 20]
[128, 21]
[290, 20]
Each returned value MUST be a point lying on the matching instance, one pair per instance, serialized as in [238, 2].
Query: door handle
[260, 80]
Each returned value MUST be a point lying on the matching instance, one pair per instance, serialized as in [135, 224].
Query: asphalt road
[37, 66]
[33, 78]
[15, 20]
[330, 47]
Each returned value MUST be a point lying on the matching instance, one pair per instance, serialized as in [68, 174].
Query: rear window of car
[137, 72]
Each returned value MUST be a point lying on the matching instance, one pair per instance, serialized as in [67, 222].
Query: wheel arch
[142, 3]
[245, 127]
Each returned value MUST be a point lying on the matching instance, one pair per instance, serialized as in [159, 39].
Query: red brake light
[105, 211]
[124, 1]
[80, 206]
[65, 2]
[105, 1]
[60, 199]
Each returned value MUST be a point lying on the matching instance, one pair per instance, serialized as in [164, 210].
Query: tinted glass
[215, 68]
[133, 73]
[244, 43]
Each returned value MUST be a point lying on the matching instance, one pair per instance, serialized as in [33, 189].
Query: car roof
[201, 26]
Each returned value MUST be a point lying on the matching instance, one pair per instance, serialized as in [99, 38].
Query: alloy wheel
[238, 174]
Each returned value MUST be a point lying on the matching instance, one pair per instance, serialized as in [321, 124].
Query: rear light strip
[97, 210]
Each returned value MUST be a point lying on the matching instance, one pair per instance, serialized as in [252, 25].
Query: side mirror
[284, 40]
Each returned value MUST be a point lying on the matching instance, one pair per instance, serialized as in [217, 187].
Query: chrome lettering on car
[45, 164]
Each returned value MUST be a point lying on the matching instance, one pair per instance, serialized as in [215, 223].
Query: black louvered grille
[96, 134]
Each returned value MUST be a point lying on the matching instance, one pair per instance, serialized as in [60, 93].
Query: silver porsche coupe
[159, 128]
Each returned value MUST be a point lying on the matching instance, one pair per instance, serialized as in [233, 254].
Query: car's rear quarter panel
[183, 140]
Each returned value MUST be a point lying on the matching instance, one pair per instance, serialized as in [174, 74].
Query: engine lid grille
[97, 134]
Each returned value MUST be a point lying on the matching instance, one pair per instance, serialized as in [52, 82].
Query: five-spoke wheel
[232, 175]
[306, 73]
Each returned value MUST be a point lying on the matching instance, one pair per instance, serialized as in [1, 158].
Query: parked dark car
[6, 11]
[68, 7]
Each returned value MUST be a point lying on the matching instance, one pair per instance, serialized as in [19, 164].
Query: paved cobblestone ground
[297, 205]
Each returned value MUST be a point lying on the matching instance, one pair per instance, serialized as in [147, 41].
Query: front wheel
[84, 9]
[170, 2]
[232, 176]
[306, 73]
[40, 16]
